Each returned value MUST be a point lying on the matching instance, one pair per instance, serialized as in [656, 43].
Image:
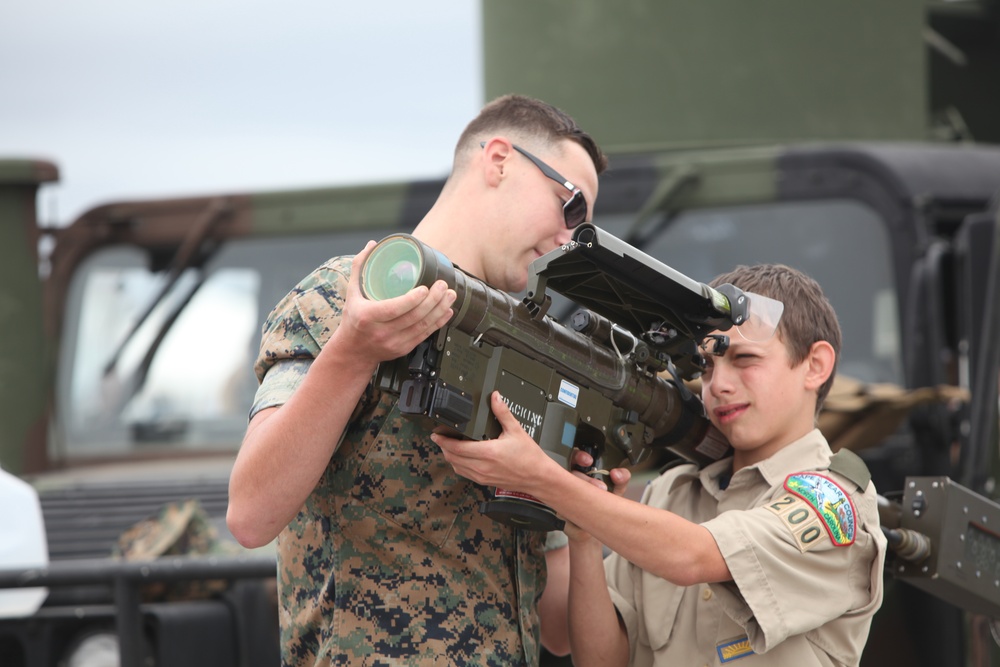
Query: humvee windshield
[841, 243]
[183, 379]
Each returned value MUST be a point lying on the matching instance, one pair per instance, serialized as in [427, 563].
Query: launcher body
[601, 388]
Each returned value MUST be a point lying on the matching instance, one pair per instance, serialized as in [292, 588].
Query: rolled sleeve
[296, 330]
[778, 590]
[281, 381]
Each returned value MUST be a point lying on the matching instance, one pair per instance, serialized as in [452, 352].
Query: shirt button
[706, 594]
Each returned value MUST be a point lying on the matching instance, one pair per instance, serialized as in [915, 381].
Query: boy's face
[756, 398]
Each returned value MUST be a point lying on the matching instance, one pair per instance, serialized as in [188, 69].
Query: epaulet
[848, 464]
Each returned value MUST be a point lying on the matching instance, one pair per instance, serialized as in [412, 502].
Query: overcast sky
[157, 98]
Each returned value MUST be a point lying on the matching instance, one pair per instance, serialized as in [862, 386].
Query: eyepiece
[392, 269]
[399, 263]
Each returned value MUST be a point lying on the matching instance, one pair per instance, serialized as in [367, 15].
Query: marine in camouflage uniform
[389, 562]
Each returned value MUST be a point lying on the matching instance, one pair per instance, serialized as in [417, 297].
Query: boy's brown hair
[808, 316]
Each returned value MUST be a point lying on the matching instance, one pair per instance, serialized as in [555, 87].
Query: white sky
[158, 98]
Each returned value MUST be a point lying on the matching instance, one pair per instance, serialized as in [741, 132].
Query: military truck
[858, 143]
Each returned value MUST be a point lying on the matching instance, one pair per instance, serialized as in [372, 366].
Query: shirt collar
[810, 452]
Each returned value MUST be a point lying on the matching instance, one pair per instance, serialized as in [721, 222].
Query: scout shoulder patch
[816, 502]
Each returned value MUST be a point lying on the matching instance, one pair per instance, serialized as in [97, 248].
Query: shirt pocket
[404, 478]
[660, 605]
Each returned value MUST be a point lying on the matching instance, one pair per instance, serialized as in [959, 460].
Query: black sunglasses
[575, 208]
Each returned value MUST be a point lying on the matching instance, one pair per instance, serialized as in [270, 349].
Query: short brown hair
[808, 316]
[528, 119]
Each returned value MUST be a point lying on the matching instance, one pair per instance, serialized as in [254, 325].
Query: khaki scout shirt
[805, 550]
[389, 561]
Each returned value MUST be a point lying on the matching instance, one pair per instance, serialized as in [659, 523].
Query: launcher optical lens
[392, 269]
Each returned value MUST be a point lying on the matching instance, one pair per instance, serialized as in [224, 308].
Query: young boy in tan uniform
[771, 556]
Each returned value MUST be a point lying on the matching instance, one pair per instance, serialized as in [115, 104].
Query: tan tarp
[857, 415]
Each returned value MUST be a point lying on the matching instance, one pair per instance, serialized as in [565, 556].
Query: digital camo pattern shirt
[389, 562]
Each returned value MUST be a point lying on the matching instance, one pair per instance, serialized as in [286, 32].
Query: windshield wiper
[188, 253]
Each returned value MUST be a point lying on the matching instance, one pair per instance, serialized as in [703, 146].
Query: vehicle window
[841, 243]
[150, 366]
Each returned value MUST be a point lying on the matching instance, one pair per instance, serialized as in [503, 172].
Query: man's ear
[496, 152]
[819, 364]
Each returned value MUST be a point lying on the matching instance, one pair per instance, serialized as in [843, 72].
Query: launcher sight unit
[599, 386]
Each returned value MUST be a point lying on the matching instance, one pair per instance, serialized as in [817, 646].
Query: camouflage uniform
[389, 561]
[805, 550]
[180, 528]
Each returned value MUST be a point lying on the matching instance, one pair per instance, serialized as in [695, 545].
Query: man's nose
[564, 236]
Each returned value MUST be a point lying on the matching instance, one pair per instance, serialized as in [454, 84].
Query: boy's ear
[820, 362]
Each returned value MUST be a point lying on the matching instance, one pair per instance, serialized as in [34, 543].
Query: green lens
[393, 269]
